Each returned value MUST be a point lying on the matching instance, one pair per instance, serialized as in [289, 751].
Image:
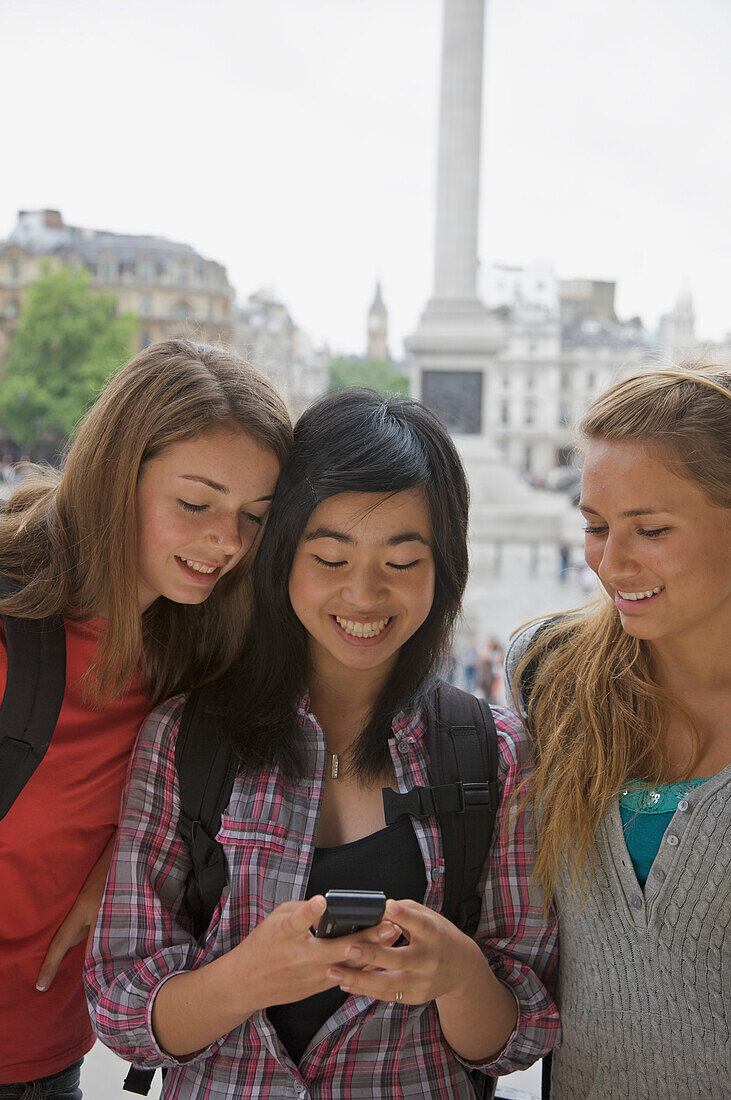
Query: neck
[693, 663]
[342, 702]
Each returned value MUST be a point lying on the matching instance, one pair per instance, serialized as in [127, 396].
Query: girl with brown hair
[627, 702]
[139, 547]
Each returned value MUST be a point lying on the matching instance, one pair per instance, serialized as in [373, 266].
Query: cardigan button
[683, 805]
[637, 902]
[673, 840]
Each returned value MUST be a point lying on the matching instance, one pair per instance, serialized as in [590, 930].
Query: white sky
[295, 142]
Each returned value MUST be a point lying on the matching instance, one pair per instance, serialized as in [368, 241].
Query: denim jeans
[63, 1085]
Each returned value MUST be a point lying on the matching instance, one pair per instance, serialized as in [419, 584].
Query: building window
[532, 347]
[144, 271]
[564, 416]
[145, 305]
[145, 340]
[530, 412]
[14, 269]
[530, 380]
[590, 380]
[505, 413]
[181, 310]
[527, 457]
[506, 378]
[565, 380]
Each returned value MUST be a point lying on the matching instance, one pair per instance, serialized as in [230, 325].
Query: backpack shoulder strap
[206, 768]
[464, 796]
[463, 750]
[34, 690]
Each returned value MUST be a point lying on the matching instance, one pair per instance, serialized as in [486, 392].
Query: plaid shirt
[367, 1048]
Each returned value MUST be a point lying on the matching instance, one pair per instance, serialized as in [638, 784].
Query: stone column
[460, 134]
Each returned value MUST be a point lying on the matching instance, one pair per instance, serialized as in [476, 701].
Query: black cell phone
[349, 911]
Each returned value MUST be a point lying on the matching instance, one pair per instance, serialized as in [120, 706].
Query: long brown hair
[597, 714]
[70, 537]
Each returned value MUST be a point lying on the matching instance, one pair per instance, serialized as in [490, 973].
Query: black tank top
[389, 860]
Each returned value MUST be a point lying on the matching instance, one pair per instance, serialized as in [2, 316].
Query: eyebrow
[631, 512]
[340, 536]
[217, 486]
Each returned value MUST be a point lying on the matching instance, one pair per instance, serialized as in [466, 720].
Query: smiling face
[200, 504]
[660, 548]
[362, 580]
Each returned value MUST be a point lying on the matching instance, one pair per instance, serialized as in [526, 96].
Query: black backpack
[33, 697]
[464, 795]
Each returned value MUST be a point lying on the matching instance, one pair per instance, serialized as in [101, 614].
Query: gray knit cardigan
[644, 987]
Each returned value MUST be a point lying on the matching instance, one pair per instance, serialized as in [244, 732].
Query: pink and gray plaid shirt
[367, 1048]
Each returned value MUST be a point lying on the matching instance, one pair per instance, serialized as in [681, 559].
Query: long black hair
[354, 441]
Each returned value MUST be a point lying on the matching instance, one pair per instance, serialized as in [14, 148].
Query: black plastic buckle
[414, 803]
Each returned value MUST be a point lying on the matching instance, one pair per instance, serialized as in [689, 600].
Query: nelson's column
[457, 338]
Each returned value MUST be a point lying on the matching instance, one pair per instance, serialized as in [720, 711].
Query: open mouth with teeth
[364, 630]
[198, 570]
[639, 597]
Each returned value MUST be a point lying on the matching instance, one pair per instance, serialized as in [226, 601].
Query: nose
[364, 588]
[616, 561]
[225, 534]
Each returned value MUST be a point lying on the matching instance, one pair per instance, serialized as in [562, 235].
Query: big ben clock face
[456, 397]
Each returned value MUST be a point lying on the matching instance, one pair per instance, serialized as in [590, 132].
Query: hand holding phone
[350, 911]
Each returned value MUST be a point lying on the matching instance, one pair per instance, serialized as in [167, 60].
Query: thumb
[65, 938]
[308, 914]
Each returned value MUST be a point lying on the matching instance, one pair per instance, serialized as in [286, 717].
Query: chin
[188, 598]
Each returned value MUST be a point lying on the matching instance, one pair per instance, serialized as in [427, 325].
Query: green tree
[374, 373]
[67, 342]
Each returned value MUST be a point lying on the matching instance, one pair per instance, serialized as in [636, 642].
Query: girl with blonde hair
[137, 553]
[627, 702]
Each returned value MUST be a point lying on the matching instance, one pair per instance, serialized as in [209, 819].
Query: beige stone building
[265, 333]
[170, 288]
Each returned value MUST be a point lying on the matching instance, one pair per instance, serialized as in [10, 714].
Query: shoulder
[516, 651]
[519, 645]
[160, 729]
[512, 739]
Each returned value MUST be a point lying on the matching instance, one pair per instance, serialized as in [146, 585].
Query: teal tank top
[646, 813]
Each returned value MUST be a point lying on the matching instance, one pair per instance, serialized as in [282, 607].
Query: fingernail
[335, 975]
[386, 934]
[41, 986]
[354, 953]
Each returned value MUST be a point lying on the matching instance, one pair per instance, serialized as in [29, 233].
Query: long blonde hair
[596, 711]
[70, 538]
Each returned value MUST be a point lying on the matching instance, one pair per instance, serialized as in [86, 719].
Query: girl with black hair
[357, 587]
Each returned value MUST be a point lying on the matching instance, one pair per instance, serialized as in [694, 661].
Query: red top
[49, 841]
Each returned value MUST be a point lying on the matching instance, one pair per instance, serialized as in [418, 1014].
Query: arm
[278, 962]
[477, 1013]
[79, 921]
[490, 993]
